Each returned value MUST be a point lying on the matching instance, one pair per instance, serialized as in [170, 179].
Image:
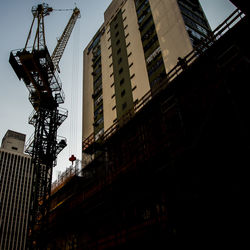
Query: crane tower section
[38, 70]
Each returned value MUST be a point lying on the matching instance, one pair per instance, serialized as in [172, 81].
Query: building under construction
[174, 173]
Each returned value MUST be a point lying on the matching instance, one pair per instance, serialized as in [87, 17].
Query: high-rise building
[15, 190]
[139, 42]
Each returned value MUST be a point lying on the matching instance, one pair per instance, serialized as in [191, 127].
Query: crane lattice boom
[39, 72]
[62, 42]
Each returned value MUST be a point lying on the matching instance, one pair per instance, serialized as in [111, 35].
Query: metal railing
[66, 176]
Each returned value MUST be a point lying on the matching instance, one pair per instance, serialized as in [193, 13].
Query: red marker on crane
[72, 158]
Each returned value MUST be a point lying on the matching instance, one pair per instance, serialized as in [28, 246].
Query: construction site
[174, 173]
[170, 172]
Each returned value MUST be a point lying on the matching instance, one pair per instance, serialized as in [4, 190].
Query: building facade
[15, 190]
[175, 175]
[139, 42]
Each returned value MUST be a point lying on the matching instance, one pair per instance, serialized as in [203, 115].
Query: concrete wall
[140, 79]
[13, 141]
[173, 38]
[109, 111]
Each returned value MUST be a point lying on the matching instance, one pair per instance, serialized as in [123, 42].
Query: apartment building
[15, 190]
[139, 42]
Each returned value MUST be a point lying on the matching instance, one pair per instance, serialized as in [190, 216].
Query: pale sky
[15, 21]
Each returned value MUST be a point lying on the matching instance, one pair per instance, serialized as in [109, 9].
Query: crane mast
[39, 72]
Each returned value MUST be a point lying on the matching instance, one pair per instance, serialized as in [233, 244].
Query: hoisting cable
[63, 9]
[75, 86]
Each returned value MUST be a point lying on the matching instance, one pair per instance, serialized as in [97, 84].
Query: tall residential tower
[138, 43]
[15, 190]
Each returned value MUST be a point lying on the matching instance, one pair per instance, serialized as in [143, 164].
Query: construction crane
[39, 71]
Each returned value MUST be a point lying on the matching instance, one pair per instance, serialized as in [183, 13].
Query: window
[98, 111]
[97, 91]
[14, 148]
[100, 133]
[155, 67]
[98, 62]
[188, 12]
[144, 14]
[98, 122]
[120, 70]
[149, 32]
[117, 34]
[124, 105]
[146, 23]
[116, 26]
[123, 93]
[194, 25]
[118, 41]
[98, 101]
[120, 60]
[150, 43]
[97, 81]
[140, 9]
[98, 70]
[119, 51]
[95, 42]
[122, 81]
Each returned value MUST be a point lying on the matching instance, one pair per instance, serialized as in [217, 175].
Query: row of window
[98, 111]
[95, 42]
[152, 52]
[14, 203]
[97, 82]
[191, 14]
[118, 41]
[194, 25]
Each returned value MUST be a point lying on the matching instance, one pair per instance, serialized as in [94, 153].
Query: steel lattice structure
[39, 72]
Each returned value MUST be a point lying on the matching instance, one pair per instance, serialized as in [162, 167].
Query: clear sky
[15, 21]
